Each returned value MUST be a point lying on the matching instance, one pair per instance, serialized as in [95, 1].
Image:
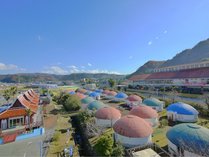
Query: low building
[188, 140]
[120, 96]
[147, 113]
[182, 112]
[134, 100]
[132, 131]
[107, 116]
[85, 101]
[95, 105]
[154, 103]
[111, 95]
[95, 95]
[21, 113]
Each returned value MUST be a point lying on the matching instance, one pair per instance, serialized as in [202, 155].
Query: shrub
[72, 103]
[56, 136]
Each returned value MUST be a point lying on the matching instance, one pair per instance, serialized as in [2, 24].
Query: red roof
[108, 113]
[13, 113]
[134, 98]
[31, 99]
[139, 77]
[143, 111]
[27, 104]
[189, 73]
[133, 126]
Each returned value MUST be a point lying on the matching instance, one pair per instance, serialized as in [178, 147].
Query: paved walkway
[26, 148]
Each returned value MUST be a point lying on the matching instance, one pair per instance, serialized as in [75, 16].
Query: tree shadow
[54, 111]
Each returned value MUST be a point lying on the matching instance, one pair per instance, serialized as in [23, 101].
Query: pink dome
[106, 91]
[80, 95]
[133, 126]
[108, 113]
[134, 98]
[143, 111]
[112, 93]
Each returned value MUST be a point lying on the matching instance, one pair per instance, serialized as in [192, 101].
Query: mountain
[148, 67]
[41, 77]
[198, 53]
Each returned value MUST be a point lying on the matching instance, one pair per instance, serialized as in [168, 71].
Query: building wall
[105, 123]
[132, 142]
[182, 117]
[173, 149]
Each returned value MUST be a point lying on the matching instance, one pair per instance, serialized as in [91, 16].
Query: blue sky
[115, 36]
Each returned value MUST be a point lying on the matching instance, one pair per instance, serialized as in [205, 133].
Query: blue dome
[87, 100]
[190, 136]
[121, 95]
[72, 92]
[95, 105]
[182, 108]
[94, 94]
[99, 90]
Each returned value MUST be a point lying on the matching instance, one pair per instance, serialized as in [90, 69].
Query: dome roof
[152, 102]
[94, 94]
[182, 108]
[95, 105]
[132, 126]
[143, 111]
[99, 90]
[80, 95]
[106, 91]
[80, 90]
[87, 92]
[112, 93]
[87, 100]
[190, 136]
[121, 95]
[72, 92]
[134, 98]
[108, 113]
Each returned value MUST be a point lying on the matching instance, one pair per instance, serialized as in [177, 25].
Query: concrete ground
[26, 148]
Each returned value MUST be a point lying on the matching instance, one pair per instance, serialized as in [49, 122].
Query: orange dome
[133, 126]
[143, 111]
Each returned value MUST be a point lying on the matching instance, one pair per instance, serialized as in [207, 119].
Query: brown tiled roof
[132, 126]
[34, 100]
[27, 104]
[13, 113]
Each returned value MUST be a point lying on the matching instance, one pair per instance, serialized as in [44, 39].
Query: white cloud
[165, 32]
[95, 71]
[55, 70]
[83, 67]
[8, 66]
[130, 57]
[150, 43]
[89, 64]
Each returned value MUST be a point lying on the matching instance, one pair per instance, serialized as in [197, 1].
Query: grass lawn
[203, 122]
[159, 136]
[65, 140]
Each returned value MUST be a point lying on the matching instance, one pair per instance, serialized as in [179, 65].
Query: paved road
[26, 148]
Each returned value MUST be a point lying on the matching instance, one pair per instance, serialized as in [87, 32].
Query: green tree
[104, 146]
[118, 150]
[85, 117]
[13, 91]
[72, 103]
[6, 95]
[111, 83]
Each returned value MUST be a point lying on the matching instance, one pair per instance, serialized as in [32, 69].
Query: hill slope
[40, 77]
[198, 53]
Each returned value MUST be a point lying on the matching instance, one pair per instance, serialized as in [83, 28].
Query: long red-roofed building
[17, 114]
[187, 77]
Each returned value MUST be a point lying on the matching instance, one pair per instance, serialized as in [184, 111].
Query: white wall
[105, 123]
[153, 121]
[132, 142]
[182, 118]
